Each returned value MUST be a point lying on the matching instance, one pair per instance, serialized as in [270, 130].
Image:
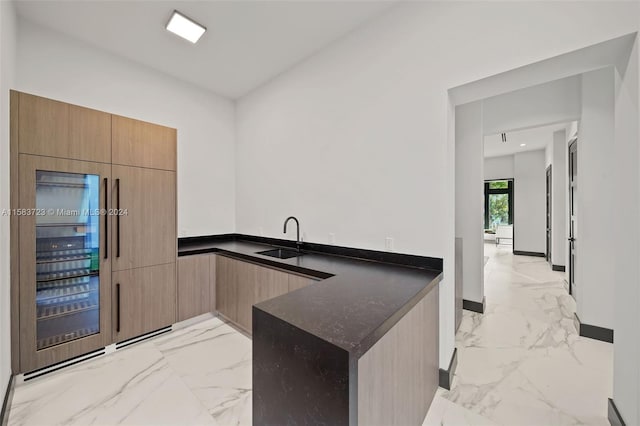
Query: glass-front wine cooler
[67, 231]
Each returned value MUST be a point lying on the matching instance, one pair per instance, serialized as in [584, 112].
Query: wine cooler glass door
[67, 282]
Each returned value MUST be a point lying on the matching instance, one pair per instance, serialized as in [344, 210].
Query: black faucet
[297, 230]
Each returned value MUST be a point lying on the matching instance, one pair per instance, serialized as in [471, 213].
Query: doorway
[549, 215]
[573, 188]
[498, 210]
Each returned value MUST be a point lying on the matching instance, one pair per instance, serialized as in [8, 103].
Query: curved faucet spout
[297, 230]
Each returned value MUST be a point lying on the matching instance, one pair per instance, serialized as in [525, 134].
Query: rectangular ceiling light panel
[186, 28]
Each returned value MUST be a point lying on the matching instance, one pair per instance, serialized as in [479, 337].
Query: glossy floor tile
[199, 375]
[522, 362]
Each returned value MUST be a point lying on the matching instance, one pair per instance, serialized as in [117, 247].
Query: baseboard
[446, 376]
[593, 331]
[6, 404]
[529, 253]
[478, 307]
[559, 268]
[614, 415]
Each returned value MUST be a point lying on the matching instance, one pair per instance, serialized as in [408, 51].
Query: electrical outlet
[388, 244]
[183, 232]
[332, 238]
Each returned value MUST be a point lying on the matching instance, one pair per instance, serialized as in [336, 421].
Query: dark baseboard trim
[593, 331]
[529, 253]
[8, 396]
[478, 307]
[614, 415]
[446, 376]
[559, 268]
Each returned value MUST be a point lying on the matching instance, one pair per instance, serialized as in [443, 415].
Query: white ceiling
[535, 138]
[246, 44]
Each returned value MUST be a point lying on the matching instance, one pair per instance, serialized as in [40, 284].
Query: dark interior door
[573, 188]
[549, 214]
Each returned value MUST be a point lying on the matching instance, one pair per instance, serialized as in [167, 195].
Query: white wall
[498, 167]
[559, 190]
[53, 65]
[529, 226]
[469, 192]
[597, 205]
[7, 64]
[554, 102]
[369, 115]
[626, 230]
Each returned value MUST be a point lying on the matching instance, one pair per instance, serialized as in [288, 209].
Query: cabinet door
[298, 281]
[194, 286]
[89, 134]
[65, 270]
[226, 285]
[56, 129]
[247, 275]
[257, 284]
[43, 126]
[144, 300]
[145, 232]
[137, 143]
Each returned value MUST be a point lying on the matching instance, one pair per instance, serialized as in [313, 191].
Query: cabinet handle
[118, 308]
[118, 217]
[106, 218]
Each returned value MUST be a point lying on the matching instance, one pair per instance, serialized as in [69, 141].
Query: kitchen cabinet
[257, 284]
[196, 285]
[144, 300]
[57, 129]
[145, 230]
[226, 283]
[240, 285]
[142, 144]
[298, 281]
[77, 270]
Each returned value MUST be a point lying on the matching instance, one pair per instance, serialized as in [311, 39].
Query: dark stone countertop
[356, 302]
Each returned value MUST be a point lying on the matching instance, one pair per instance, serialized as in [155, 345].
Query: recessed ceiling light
[185, 27]
[523, 144]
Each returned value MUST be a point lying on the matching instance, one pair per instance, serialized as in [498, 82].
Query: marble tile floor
[521, 363]
[198, 375]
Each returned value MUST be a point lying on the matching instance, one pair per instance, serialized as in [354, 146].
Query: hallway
[522, 362]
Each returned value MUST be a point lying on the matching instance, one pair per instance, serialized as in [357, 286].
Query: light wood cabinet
[196, 285]
[57, 129]
[136, 167]
[89, 134]
[246, 277]
[240, 285]
[144, 300]
[145, 232]
[137, 143]
[298, 281]
[226, 279]
[43, 126]
[257, 284]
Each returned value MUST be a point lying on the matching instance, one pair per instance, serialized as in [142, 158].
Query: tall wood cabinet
[81, 281]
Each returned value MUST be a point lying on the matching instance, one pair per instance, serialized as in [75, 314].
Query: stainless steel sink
[280, 253]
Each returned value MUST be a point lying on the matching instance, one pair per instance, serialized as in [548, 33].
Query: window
[498, 203]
